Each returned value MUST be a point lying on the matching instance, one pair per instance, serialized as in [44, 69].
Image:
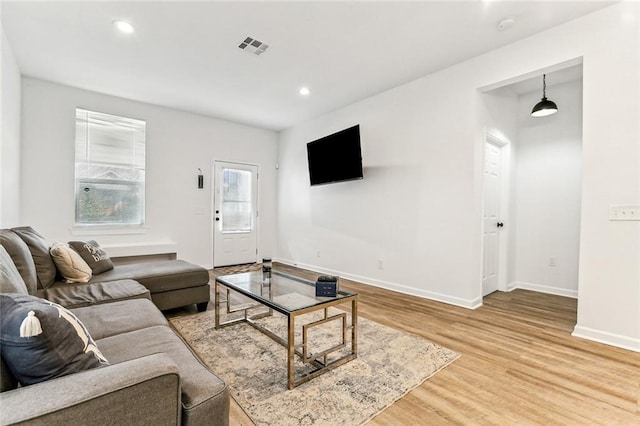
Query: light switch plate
[628, 212]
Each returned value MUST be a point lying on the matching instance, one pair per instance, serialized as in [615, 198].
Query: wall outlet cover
[626, 212]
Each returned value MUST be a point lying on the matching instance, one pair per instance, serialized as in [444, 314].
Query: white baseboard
[607, 338]
[438, 297]
[558, 291]
[512, 286]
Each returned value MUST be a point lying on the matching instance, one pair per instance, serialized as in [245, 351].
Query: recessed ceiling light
[304, 91]
[123, 26]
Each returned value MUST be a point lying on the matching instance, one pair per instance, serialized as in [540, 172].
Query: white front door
[491, 225]
[235, 199]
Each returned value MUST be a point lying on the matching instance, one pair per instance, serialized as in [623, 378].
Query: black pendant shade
[545, 106]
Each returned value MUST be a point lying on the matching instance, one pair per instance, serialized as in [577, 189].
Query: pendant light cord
[545, 106]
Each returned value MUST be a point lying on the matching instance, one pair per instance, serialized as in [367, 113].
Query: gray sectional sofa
[152, 376]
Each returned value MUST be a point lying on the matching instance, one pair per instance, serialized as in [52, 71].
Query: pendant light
[545, 106]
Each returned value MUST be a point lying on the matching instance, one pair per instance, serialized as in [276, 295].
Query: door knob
[500, 224]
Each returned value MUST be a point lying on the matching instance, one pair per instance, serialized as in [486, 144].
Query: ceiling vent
[253, 46]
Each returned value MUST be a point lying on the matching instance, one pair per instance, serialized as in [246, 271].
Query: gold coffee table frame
[250, 285]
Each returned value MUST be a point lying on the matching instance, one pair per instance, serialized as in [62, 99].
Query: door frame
[503, 238]
[212, 219]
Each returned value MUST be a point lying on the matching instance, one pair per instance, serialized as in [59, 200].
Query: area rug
[390, 363]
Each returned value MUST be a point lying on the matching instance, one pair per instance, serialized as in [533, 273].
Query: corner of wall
[10, 112]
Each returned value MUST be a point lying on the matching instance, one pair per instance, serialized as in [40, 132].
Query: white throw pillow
[70, 264]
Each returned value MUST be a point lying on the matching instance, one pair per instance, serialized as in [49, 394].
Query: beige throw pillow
[70, 264]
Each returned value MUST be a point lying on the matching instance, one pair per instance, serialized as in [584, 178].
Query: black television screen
[335, 158]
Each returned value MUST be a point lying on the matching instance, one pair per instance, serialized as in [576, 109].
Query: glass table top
[285, 293]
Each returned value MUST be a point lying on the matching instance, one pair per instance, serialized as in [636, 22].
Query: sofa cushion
[87, 294]
[95, 256]
[10, 279]
[70, 264]
[39, 248]
[57, 344]
[203, 393]
[159, 276]
[114, 318]
[21, 256]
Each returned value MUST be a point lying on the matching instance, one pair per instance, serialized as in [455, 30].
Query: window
[109, 174]
[236, 200]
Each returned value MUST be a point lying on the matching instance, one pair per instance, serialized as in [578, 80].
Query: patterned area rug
[390, 363]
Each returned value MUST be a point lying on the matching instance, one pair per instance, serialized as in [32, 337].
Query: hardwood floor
[519, 363]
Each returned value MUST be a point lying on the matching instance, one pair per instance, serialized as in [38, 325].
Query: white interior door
[492, 224]
[235, 199]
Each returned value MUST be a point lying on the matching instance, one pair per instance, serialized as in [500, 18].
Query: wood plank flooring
[519, 365]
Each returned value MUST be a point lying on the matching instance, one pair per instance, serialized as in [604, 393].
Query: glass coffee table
[292, 297]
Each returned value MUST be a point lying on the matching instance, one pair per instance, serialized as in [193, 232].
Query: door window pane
[236, 201]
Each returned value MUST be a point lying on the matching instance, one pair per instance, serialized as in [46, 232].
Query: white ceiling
[185, 55]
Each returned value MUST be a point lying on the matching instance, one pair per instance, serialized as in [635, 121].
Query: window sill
[108, 230]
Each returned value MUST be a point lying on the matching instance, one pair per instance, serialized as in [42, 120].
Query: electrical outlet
[628, 212]
[552, 261]
[380, 264]
[318, 253]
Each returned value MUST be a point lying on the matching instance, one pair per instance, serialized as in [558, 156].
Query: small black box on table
[326, 286]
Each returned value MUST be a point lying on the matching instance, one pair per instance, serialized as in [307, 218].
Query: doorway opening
[536, 247]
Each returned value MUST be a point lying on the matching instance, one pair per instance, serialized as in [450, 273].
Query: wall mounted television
[335, 158]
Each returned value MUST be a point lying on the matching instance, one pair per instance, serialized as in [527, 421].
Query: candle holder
[266, 271]
[266, 264]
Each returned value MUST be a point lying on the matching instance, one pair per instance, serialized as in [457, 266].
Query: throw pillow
[70, 264]
[21, 256]
[95, 256]
[10, 279]
[7, 381]
[45, 268]
[40, 340]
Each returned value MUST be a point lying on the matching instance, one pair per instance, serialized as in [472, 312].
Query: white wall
[609, 272]
[411, 209]
[419, 205]
[178, 143]
[547, 191]
[10, 145]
